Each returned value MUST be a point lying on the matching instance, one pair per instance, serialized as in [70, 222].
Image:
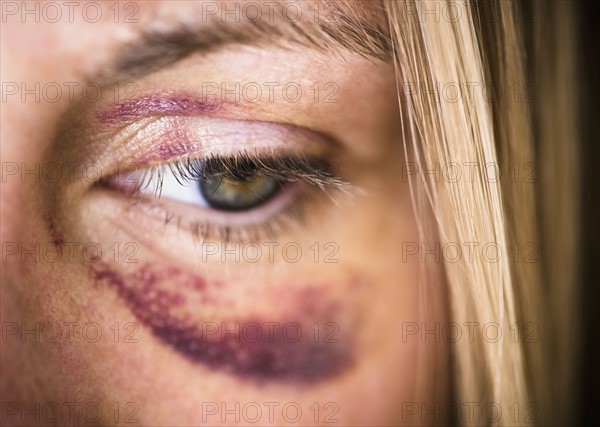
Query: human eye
[230, 192]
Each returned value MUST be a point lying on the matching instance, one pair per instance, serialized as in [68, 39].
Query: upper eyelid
[156, 105]
[164, 139]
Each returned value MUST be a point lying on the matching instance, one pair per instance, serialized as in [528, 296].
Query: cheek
[187, 313]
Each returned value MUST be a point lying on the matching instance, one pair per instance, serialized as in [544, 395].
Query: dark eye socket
[238, 188]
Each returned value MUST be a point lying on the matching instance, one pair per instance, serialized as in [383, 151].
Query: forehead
[89, 33]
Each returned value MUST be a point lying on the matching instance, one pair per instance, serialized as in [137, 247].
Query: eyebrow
[155, 49]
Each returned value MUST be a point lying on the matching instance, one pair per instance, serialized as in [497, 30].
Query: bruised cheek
[179, 309]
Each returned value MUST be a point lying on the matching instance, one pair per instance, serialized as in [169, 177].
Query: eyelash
[285, 168]
[294, 168]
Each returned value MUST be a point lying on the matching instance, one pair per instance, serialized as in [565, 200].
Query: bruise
[170, 303]
[174, 105]
[55, 235]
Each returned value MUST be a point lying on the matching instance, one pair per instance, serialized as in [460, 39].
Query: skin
[369, 294]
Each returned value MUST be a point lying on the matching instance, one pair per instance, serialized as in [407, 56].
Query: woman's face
[274, 281]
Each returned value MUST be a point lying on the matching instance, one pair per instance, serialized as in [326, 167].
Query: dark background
[588, 24]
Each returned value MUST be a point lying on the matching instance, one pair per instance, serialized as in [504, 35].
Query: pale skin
[374, 291]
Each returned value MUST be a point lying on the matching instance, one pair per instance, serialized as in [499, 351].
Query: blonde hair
[481, 44]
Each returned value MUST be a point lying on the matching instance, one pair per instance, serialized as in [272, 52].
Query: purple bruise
[57, 238]
[153, 296]
[170, 105]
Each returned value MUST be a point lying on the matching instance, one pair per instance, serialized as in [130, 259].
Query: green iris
[227, 192]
